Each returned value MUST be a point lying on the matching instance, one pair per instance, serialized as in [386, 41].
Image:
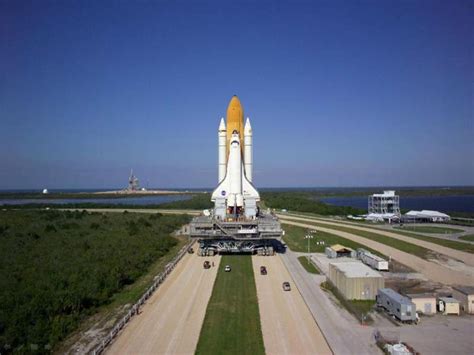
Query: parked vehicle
[396, 305]
[286, 286]
[227, 268]
[207, 265]
[374, 261]
[263, 270]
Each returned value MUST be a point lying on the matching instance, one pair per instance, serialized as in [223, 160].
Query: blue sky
[352, 93]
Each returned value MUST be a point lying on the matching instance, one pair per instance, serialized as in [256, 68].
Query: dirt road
[433, 271]
[467, 258]
[287, 325]
[171, 320]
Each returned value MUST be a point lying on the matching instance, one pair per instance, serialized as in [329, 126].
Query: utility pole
[308, 237]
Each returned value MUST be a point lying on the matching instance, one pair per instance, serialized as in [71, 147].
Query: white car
[227, 268]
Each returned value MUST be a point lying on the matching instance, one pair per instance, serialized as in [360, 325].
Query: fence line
[157, 281]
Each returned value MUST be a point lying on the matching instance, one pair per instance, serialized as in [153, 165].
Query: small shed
[338, 251]
[425, 302]
[355, 280]
[465, 295]
[448, 305]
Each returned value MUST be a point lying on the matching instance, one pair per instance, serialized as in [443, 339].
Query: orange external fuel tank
[235, 121]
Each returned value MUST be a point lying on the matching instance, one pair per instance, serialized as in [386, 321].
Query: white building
[425, 216]
[383, 217]
[384, 204]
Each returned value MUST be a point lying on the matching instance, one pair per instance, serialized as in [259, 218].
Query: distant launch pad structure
[236, 224]
[133, 182]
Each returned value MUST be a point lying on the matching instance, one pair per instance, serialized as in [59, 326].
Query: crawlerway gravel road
[287, 324]
[171, 320]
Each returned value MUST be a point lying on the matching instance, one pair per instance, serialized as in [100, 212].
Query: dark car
[190, 250]
[207, 265]
[286, 286]
[263, 270]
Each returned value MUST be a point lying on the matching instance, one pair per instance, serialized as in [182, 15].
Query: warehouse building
[354, 280]
[425, 303]
[339, 251]
[465, 295]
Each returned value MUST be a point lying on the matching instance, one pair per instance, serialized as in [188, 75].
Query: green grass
[430, 229]
[469, 237]
[308, 265]
[364, 306]
[462, 222]
[294, 238]
[59, 268]
[232, 322]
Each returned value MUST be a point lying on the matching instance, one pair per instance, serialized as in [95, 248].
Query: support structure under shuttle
[236, 223]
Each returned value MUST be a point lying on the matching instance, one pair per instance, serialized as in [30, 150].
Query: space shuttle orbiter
[235, 196]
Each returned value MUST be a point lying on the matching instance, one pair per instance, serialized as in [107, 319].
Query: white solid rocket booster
[222, 132]
[248, 156]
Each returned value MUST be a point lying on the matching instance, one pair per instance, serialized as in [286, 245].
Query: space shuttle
[235, 197]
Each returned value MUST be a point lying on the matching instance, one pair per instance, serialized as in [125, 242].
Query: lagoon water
[464, 203]
[139, 201]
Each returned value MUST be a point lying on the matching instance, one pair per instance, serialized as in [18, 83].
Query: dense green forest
[57, 267]
[304, 202]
